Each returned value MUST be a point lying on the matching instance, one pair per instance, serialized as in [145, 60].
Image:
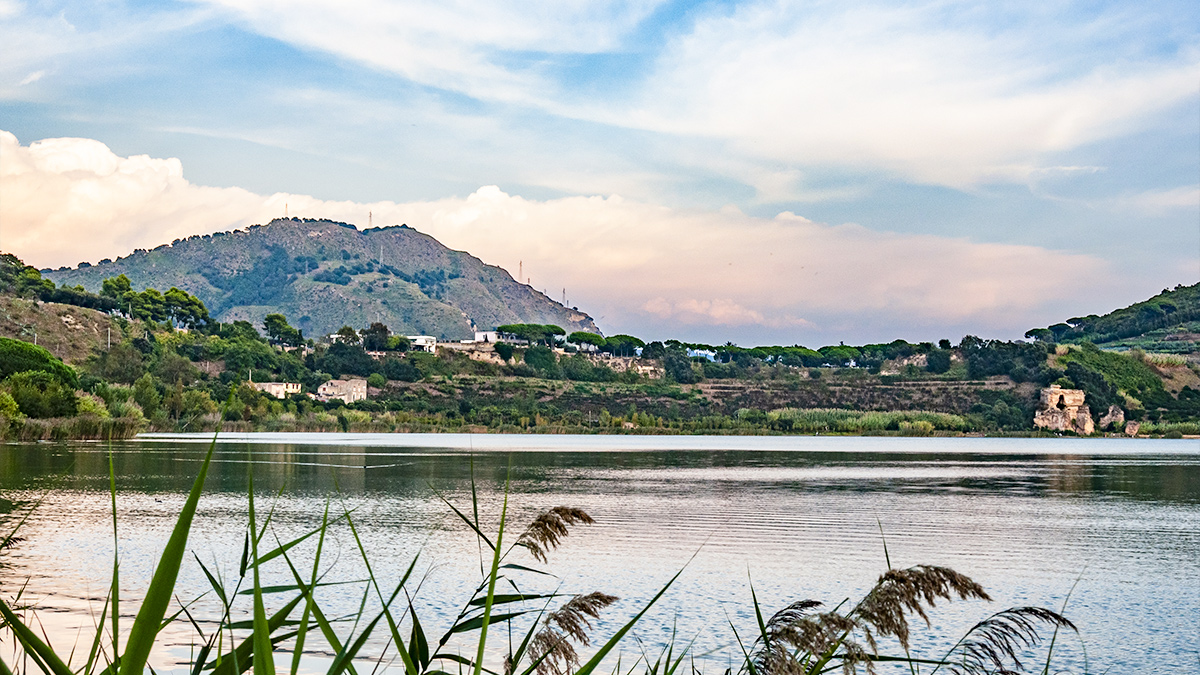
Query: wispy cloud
[644, 268]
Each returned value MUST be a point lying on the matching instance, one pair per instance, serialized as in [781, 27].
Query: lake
[799, 517]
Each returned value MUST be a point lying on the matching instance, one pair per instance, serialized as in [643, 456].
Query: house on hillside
[348, 391]
[487, 336]
[277, 389]
[424, 343]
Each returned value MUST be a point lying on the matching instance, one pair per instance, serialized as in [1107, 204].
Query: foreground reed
[800, 639]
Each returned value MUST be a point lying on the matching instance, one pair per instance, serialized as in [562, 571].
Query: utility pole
[251, 374]
[110, 337]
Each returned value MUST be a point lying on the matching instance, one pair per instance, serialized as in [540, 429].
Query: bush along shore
[496, 627]
[156, 361]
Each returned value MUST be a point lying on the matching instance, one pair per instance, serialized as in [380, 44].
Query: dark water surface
[801, 516]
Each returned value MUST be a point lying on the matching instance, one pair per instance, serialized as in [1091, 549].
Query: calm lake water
[801, 517]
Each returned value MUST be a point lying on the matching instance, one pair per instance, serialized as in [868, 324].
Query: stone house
[348, 391]
[277, 389]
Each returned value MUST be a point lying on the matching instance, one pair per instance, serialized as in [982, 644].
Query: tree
[938, 361]
[123, 363]
[654, 350]
[115, 287]
[375, 337]
[347, 335]
[505, 350]
[580, 337]
[678, 366]
[145, 394]
[535, 333]
[185, 309]
[623, 345]
[280, 332]
[377, 381]
[543, 360]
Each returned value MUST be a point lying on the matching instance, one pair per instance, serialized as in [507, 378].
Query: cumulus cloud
[637, 267]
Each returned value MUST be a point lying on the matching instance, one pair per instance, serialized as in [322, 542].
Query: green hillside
[1168, 322]
[323, 275]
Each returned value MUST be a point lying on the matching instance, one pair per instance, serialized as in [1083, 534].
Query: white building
[424, 343]
[348, 391]
[277, 389]
[487, 336]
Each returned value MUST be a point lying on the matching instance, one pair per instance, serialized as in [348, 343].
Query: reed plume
[899, 592]
[544, 533]
[560, 627]
[995, 641]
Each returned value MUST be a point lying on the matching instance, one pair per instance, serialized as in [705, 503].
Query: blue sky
[1053, 147]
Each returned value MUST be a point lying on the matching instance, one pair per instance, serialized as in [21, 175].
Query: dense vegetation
[1136, 325]
[172, 363]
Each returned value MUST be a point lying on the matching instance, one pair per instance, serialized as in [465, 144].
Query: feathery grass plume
[545, 531]
[901, 591]
[569, 622]
[995, 641]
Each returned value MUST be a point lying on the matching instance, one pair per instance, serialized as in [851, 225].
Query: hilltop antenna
[370, 220]
[520, 270]
[285, 213]
[564, 297]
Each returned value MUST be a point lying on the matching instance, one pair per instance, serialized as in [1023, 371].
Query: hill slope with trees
[1168, 322]
[323, 275]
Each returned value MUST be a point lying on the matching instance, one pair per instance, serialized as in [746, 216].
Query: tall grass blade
[239, 659]
[264, 660]
[47, 660]
[491, 592]
[162, 584]
[302, 632]
[116, 576]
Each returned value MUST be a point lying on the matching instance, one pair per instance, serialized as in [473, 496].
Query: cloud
[943, 93]
[490, 51]
[637, 267]
[924, 91]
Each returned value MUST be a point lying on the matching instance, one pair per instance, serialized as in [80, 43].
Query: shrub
[9, 408]
[90, 404]
[377, 381]
[40, 394]
[17, 356]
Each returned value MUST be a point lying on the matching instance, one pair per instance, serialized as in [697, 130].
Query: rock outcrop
[1114, 418]
[1065, 410]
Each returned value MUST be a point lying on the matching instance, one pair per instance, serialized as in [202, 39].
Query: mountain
[323, 274]
[1167, 322]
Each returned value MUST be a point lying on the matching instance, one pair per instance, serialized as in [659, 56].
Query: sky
[755, 172]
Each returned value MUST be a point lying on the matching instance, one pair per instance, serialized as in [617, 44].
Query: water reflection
[1025, 518]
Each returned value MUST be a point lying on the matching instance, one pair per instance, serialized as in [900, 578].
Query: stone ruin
[1064, 410]
[1115, 418]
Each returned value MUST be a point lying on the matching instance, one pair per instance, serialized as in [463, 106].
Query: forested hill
[323, 275]
[1169, 321]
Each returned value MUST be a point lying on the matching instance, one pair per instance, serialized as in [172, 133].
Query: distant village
[479, 348]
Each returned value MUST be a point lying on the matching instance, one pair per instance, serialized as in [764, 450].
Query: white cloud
[944, 93]
[915, 90]
[1158, 202]
[637, 265]
[468, 47]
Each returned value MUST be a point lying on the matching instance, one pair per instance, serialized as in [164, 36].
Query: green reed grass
[858, 421]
